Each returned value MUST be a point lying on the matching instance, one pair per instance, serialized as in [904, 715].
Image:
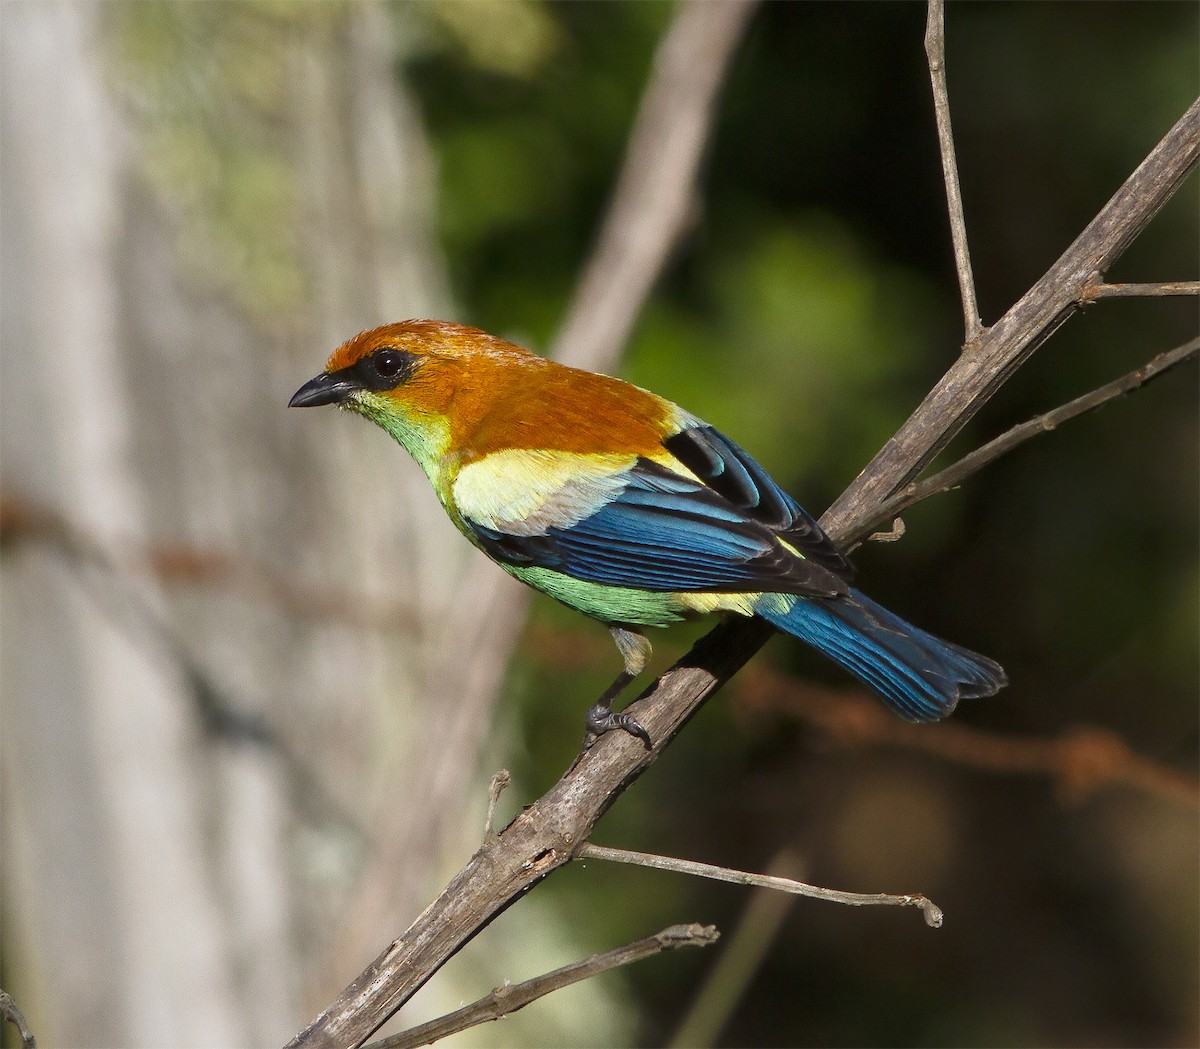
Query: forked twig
[955, 474]
[974, 377]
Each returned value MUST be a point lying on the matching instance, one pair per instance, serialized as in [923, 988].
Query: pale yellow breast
[525, 491]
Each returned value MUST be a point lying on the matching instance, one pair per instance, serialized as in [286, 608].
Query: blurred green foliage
[209, 83]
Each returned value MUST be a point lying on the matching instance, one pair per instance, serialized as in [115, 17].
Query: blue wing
[664, 531]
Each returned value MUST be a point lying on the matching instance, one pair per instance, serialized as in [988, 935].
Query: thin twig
[1098, 289]
[931, 911]
[935, 51]
[955, 474]
[509, 998]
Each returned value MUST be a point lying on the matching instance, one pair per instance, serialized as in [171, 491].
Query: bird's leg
[635, 650]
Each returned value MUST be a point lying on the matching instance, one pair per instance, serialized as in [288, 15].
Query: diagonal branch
[508, 999]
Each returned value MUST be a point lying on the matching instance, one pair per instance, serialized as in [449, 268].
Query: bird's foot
[602, 719]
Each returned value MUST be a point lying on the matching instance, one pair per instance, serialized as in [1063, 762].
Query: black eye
[389, 363]
[385, 369]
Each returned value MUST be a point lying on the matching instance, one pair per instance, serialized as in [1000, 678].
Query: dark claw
[600, 719]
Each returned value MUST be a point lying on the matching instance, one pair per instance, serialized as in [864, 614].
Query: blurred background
[254, 684]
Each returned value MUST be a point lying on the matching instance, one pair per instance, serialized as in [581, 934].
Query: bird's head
[423, 381]
[414, 363]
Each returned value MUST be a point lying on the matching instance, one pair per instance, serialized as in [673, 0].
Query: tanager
[623, 505]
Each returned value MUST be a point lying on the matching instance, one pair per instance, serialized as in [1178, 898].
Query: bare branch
[935, 51]
[954, 475]
[509, 998]
[656, 195]
[976, 376]
[931, 911]
[1098, 289]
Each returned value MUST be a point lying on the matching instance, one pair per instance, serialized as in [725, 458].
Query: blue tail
[919, 676]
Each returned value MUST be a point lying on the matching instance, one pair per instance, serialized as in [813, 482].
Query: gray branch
[954, 475]
[508, 999]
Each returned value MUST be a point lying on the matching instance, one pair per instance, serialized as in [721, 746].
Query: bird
[624, 506]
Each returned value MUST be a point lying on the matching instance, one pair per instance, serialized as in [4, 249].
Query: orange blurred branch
[1080, 762]
[1083, 760]
[180, 564]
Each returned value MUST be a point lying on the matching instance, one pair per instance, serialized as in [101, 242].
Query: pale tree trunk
[109, 884]
[164, 883]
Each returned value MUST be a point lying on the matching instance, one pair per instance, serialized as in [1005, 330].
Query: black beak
[324, 389]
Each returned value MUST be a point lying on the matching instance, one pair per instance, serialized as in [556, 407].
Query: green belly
[610, 604]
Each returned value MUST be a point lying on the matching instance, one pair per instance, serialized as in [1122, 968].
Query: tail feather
[919, 676]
